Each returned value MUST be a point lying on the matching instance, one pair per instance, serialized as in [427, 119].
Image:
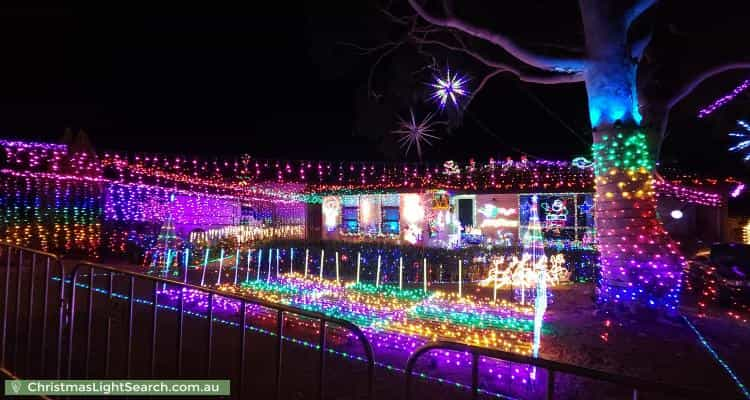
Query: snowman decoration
[556, 214]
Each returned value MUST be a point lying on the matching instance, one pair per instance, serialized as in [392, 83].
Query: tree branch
[481, 85]
[368, 50]
[639, 46]
[547, 79]
[556, 64]
[637, 9]
[694, 83]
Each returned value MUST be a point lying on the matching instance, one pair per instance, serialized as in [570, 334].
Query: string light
[640, 265]
[718, 103]
[415, 133]
[741, 386]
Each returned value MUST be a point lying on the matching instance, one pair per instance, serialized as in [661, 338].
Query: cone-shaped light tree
[532, 240]
[641, 267]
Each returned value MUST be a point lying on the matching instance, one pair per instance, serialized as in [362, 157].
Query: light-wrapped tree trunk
[640, 265]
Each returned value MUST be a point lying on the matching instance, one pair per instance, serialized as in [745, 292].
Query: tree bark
[640, 265]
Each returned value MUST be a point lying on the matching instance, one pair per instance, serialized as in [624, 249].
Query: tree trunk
[639, 263]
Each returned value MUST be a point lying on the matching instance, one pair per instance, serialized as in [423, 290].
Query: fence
[38, 327]
[27, 264]
[23, 263]
[635, 385]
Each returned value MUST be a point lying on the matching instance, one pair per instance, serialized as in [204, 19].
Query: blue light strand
[300, 342]
[718, 359]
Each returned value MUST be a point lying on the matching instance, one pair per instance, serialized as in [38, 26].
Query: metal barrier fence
[30, 267]
[25, 325]
[281, 311]
[634, 384]
[40, 275]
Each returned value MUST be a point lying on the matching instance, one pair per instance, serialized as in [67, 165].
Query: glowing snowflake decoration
[743, 144]
[451, 87]
[415, 134]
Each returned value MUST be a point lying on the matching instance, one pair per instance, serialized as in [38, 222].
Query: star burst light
[415, 133]
[743, 144]
[451, 87]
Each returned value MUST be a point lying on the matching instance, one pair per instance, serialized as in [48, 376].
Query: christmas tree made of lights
[165, 252]
[533, 249]
[533, 241]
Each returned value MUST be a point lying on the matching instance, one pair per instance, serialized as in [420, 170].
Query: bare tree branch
[637, 9]
[556, 64]
[448, 8]
[399, 20]
[694, 83]
[368, 50]
[639, 46]
[547, 79]
[481, 85]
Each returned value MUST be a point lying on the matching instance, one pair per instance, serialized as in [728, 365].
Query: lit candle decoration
[270, 257]
[424, 270]
[291, 260]
[205, 267]
[400, 273]
[460, 278]
[277, 262]
[377, 273]
[322, 257]
[185, 274]
[359, 259]
[337, 267]
[307, 258]
[221, 265]
[236, 265]
[247, 271]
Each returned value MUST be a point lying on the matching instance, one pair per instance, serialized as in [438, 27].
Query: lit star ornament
[743, 140]
[451, 87]
[414, 134]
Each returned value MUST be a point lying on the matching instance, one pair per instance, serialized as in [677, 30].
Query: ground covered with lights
[692, 350]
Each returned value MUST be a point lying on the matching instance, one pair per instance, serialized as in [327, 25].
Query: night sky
[282, 82]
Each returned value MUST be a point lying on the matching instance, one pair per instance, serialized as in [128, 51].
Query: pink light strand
[724, 99]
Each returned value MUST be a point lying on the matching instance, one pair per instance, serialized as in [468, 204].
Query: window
[390, 225]
[466, 212]
[350, 220]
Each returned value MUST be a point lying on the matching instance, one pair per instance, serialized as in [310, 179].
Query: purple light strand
[706, 111]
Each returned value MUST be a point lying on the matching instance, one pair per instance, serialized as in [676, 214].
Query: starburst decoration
[415, 133]
[452, 87]
[743, 140]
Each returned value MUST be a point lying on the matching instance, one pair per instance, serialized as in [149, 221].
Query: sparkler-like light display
[415, 133]
[451, 87]
[743, 144]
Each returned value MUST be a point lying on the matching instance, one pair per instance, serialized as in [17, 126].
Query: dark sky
[277, 81]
